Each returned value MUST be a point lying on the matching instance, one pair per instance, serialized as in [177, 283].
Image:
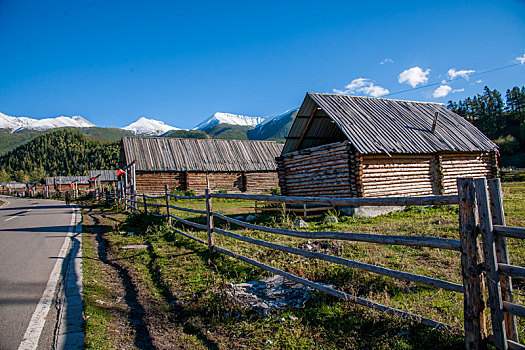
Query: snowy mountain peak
[19, 123]
[229, 118]
[149, 127]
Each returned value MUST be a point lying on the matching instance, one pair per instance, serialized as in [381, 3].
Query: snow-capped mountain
[274, 127]
[20, 123]
[229, 118]
[60, 122]
[149, 127]
[12, 123]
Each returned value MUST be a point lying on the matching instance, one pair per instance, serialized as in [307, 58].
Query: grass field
[180, 285]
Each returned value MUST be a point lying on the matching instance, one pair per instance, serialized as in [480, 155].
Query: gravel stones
[270, 294]
[301, 224]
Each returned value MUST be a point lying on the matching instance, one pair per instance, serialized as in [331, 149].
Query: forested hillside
[501, 120]
[62, 152]
[9, 141]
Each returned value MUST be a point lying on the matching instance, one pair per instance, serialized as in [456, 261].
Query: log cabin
[62, 183]
[107, 178]
[197, 164]
[349, 146]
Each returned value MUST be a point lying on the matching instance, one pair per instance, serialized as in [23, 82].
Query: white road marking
[34, 329]
[11, 218]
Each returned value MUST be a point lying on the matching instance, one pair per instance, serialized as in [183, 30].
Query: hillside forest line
[76, 151]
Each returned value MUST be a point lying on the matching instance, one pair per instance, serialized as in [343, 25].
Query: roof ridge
[375, 98]
[188, 138]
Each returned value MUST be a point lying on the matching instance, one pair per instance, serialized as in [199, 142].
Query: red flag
[71, 185]
[92, 179]
[120, 172]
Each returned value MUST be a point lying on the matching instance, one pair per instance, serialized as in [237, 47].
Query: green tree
[21, 176]
[516, 109]
[4, 176]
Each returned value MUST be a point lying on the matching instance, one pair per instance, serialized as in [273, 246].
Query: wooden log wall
[259, 182]
[153, 182]
[254, 182]
[231, 182]
[475, 164]
[398, 175]
[318, 171]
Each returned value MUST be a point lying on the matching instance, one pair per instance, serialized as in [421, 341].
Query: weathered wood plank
[388, 201]
[510, 231]
[512, 271]
[421, 241]
[515, 309]
[491, 264]
[473, 299]
[433, 282]
[502, 253]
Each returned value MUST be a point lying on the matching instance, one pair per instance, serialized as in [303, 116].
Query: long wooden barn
[195, 164]
[348, 146]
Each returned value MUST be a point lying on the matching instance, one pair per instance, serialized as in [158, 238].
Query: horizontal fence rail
[350, 263]
[185, 197]
[421, 241]
[512, 271]
[198, 211]
[387, 201]
[510, 231]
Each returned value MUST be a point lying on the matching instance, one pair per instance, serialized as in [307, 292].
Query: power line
[451, 80]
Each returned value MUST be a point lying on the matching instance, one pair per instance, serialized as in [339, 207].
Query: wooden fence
[482, 243]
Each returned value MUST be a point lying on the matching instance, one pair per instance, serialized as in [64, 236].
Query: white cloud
[442, 91]
[452, 73]
[521, 59]
[458, 90]
[414, 76]
[387, 60]
[364, 86]
[479, 81]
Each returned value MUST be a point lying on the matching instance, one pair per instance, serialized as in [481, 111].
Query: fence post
[502, 253]
[209, 219]
[145, 203]
[491, 264]
[473, 298]
[167, 203]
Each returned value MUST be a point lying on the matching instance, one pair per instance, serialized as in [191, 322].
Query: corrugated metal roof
[105, 175]
[161, 154]
[378, 125]
[66, 180]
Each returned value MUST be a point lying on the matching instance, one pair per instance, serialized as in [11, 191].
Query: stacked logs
[200, 181]
[152, 183]
[259, 182]
[317, 171]
[397, 175]
[474, 164]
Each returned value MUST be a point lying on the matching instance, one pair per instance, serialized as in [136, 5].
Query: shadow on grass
[345, 325]
[143, 339]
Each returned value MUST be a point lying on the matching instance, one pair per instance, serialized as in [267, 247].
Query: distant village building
[13, 187]
[347, 146]
[62, 183]
[107, 178]
[197, 164]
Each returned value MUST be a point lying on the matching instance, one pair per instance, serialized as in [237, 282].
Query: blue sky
[115, 61]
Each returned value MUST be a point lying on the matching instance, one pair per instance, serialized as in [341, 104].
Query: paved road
[32, 234]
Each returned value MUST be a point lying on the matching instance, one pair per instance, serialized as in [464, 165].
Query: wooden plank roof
[162, 154]
[378, 125]
[66, 180]
[105, 175]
